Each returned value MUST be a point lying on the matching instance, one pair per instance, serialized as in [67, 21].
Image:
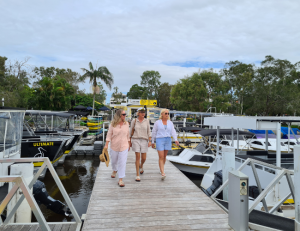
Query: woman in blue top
[162, 131]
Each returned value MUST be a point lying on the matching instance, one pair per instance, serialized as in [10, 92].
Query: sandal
[113, 175]
[121, 184]
[137, 179]
[163, 176]
[141, 170]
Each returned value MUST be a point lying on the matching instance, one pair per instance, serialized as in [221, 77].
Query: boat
[267, 165]
[192, 161]
[49, 134]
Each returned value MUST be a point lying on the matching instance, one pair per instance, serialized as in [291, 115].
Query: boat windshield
[11, 128]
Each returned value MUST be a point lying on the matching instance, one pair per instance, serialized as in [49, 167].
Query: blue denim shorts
[163, 143]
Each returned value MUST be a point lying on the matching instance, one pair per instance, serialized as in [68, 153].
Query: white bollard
[297, 185]
[23, 214]
[228, 165]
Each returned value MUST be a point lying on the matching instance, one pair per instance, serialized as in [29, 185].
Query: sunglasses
[167, 113]
[123, 114]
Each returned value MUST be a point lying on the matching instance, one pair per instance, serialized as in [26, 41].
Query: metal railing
[281, 172]
[26, 189]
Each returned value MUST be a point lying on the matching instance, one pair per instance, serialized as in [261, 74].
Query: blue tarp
[260, 131]
[284, 130]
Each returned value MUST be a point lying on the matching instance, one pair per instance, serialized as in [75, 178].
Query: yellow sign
[43, 144]
[148, 102]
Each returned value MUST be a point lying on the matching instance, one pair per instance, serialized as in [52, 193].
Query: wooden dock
[152, 204]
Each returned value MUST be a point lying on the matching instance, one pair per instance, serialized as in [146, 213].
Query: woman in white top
[162, 132]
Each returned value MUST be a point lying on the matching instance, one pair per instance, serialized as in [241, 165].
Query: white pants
[118, 161]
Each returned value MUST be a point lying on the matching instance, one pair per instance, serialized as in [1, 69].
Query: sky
[173, 37]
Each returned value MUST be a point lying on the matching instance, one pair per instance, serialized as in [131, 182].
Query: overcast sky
[174, 37]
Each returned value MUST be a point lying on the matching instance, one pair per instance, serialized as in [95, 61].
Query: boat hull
[198, 170]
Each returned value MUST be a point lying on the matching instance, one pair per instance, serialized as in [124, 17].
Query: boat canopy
[80, 113]
[213, 132]
[49, 113]
[187, 129]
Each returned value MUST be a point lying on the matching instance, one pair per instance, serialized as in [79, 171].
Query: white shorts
[139, 145]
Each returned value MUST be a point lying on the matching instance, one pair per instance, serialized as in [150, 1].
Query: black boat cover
[213, 132]
[50, 113]
[80, 113]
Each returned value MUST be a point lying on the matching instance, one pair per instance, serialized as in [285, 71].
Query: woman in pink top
[118, 135]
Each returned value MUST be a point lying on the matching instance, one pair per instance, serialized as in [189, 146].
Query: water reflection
[78, 175]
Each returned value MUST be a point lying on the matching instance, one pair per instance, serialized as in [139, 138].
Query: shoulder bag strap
[132, 130]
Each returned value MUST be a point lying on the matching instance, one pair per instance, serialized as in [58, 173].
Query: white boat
[260, 144]
[192, 161]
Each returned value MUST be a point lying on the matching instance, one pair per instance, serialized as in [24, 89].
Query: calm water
[78, 175]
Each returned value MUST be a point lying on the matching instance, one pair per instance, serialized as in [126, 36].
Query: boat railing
[281, 172]
[26, 189]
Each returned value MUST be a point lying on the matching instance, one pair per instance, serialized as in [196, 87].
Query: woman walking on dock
[118, 135]
[140, 141]
[162, 131]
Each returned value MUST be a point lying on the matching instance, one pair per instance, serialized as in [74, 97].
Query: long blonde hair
[163, 111]
[117, 118]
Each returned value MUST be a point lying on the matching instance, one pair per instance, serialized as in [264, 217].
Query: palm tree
[101, 73]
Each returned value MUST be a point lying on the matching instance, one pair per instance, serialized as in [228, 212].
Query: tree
[14, 79]
[150, 80]
[102, 73]
[52, 94]
[200, 91]
[135, 92]
[190, 94]
[240, 77]
[71, 77]
[118, 96]
[164, 94]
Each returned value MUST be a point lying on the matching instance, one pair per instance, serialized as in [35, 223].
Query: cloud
[173, 37]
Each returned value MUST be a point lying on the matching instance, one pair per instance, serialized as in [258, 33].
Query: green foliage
[163, 95]
[150, 80]
[135, 92]
[200, 91]
[87, 101]
[72, 77]
[52, 94]
[14, 80]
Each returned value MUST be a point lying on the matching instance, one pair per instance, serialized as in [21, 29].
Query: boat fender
[217, 182]
[42, 197]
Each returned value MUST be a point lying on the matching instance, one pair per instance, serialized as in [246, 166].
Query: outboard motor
[42, 197]
[217, 182]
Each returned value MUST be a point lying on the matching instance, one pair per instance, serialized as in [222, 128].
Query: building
[131, 106]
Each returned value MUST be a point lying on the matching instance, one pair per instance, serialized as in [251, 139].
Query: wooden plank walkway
[53, 227]
[152, 204]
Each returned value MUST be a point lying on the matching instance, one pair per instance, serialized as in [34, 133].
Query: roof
[81, 113]
[249, 122]
[213, 132]
[50, 113]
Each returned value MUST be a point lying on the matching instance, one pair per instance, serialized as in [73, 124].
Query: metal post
[238, 217]
[218, 139]
[201, 121]
[237, 140]
[278, 146]
[232, 137]
[228, 164]
[267, 140]
[297, 185]
[289, 131]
